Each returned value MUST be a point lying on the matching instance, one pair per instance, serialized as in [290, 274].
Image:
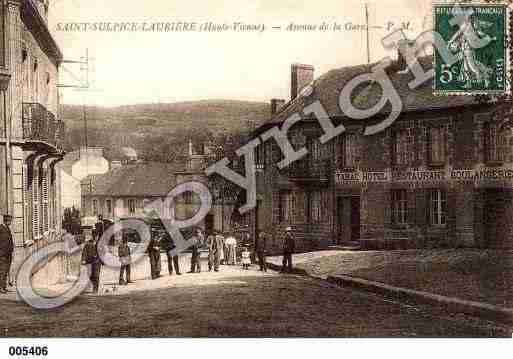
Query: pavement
[234, 303]
[321, 263]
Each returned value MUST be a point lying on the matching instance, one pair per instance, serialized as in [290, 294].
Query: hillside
[159, 132]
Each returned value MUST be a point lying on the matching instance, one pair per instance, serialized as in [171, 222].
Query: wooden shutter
[35, 206]
[44, 205]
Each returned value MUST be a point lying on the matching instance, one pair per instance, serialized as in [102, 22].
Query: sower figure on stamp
[91, 258]
[260, 245]
[289, 246]
[6, 250]
[125, 259]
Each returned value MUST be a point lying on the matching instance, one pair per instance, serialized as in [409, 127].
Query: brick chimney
[402, 48]
[301, 76]
[276, 105]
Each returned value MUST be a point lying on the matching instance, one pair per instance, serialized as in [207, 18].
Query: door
[343, 219]
[498, 214]
[209, 224]
[355, 218]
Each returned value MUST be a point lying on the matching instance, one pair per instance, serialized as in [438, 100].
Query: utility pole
[367, 32]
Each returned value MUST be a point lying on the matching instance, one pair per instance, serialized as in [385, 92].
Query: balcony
[304, 171]
[40, 126]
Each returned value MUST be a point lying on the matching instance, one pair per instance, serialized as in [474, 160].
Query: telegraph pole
[367, 32]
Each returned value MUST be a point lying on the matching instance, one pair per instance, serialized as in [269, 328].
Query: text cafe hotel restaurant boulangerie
[440, 175]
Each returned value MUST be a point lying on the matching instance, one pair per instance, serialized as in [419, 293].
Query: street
[232, 303]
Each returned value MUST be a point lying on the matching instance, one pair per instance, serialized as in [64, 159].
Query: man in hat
[6, 250]
[260, 245]
[91, 256]
[289, 244]
[99, 227]
[125, 259]
[195, 256]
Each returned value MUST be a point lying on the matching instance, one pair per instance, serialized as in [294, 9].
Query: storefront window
[131, 206]
[399, 207]
[438, 207]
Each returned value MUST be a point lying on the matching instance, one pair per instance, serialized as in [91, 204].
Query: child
[245, 258]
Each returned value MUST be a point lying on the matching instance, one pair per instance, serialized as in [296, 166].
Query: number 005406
[28, 351]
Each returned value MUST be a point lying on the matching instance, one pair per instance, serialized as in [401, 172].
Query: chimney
[404, 49]
[276, 105]
[301, 76]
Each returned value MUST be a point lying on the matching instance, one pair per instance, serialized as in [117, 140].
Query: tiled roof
[327, 89]
[139, 179]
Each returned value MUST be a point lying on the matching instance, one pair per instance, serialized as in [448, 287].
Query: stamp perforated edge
[508, 45]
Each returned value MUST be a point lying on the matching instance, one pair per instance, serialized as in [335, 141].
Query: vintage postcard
[253, 169]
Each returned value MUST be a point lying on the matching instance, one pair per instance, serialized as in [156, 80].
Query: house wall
[465, 220]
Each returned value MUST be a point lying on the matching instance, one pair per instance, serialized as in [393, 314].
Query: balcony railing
[40, 125]
[309, 171]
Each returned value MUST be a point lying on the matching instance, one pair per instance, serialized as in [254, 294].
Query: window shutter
[44, 198]
[35, 207]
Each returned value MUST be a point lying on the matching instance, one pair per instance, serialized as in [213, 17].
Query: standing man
[195, 257]
[260, 245]
[289, 245]
[124, 258]
[91, 258]
[218, 248]
[210, 246]
[154, 256]
[99, 227]
[167, 243]
[6, 250]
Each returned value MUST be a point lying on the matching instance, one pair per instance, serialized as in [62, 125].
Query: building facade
[440, 176]
[128, 190]
[31, 131]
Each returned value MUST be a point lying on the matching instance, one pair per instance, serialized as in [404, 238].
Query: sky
[151, 67]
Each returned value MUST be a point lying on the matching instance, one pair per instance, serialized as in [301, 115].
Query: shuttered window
[44, 206]
[35, 207]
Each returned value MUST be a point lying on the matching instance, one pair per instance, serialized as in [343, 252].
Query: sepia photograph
[254, 169]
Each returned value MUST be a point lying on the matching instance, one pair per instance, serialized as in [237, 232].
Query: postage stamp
[477, 35]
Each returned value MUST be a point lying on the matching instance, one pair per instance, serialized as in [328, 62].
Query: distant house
[128, 189]
[76, 166]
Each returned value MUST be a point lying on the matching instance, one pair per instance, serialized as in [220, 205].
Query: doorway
[209, 224]
[348, 219]
[498, 214]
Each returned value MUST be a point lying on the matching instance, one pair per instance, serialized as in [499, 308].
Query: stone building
[31, 132]
[440, 176]
[126, 190]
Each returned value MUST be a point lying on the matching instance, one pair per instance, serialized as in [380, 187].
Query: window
[348, 150]
[319, 206]
[437, 145]
[315, 206]
[437, 207]
[95, 207]
[403, 149]
[108, 205]
[399, 206]
[496, 142]
[131, 206]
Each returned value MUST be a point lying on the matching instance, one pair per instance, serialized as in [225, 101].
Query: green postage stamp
[477, 35]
